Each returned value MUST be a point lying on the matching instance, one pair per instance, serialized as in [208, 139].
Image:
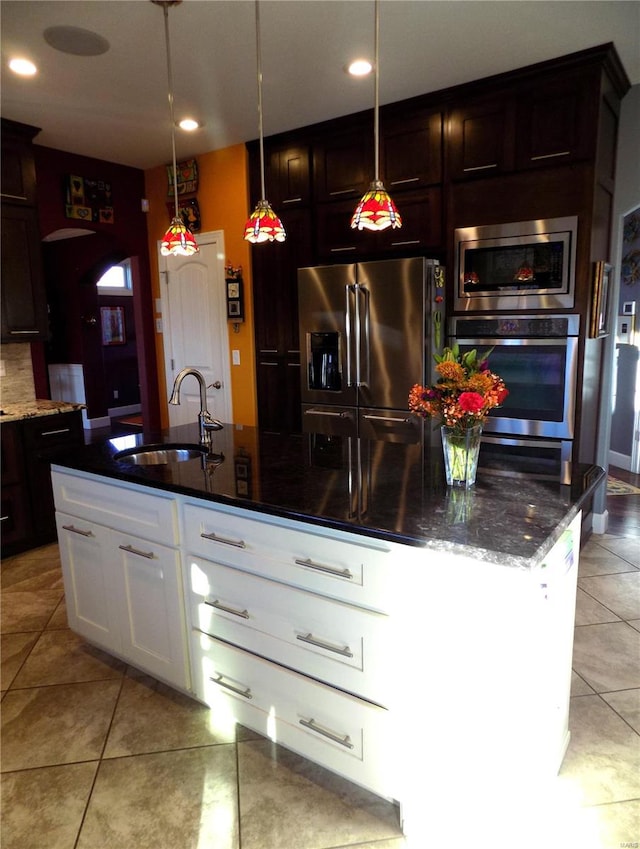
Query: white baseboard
[91, 424]
[600, 522]
[129, 410]
[620, 461]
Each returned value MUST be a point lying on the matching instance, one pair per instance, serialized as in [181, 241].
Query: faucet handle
[209, 423]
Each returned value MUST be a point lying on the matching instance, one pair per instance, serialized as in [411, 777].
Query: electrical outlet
[235, 357]
[115, 394]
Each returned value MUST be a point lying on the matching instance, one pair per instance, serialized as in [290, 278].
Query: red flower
[471, 402]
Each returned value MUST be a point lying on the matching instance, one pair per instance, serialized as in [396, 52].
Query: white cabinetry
[123, 590]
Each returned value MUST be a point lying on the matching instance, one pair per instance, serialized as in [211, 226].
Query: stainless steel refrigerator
[368, 333]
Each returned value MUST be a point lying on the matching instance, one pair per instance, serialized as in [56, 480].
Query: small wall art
[600, 300]
[88, 200]
[112, 324]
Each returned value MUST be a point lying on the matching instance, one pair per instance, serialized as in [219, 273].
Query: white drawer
[130, 510]
[343, 645]
[346, 567]
[339, 731]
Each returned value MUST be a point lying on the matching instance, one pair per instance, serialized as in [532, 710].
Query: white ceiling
[115, 107]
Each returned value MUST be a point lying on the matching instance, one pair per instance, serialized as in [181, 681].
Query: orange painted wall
[223, 197]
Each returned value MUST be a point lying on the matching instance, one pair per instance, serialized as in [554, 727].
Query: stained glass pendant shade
[263, 225]
[178, 240]
[376, 210]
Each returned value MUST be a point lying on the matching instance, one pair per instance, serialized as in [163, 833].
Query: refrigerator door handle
[348, 329]
[363, 376]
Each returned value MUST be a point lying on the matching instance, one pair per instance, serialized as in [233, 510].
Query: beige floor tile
[15, 649]
[606, 656]
[286, 801]
[170, 800]
[62, 657]
[617, 825]
[58, 795]
[591, 612]
[579, 687]
[38, 569]
[635, 623]
[620, 593]
[625, 547]
[151, 717]
[627, 704]
[595, 559]
[44, 726]
[27, 611]
[602, 763]
[59, 617]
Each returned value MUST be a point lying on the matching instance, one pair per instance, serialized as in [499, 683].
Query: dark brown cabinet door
[24, 312]
[481, 140]
[337, 241]
[288, 178]
[421, 214]
[411, 151]
[18, 169]
[344, 165]
[556, 122]
[15, 519]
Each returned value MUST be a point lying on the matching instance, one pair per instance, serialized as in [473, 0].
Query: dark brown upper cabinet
[481, 137]
[18, 168]
[410, 151]
[24, 309]
[288, 176]
[343, 164]
[421, 213]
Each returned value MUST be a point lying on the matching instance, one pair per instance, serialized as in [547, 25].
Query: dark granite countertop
[506, 518]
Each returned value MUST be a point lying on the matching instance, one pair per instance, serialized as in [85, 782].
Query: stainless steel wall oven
[537, 356]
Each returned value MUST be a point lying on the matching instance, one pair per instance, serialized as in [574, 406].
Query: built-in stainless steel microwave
[528, 265]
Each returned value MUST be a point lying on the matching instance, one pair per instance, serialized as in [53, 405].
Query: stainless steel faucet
[206, 422]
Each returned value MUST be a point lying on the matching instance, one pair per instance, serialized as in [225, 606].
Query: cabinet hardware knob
[131, 550]
[344, 740]
[243, 614]
[340, 573]
[237, 543]
[314, 641]
[77, 531]
[245, 693]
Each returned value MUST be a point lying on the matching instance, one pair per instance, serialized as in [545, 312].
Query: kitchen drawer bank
[412, 672]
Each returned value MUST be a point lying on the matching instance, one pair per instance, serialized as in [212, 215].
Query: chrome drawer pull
[387, 419]
[237, 543]
[341, 573]
[314, 641]
[344, 741]
[243, 614]
[325, 413]
[54, 432]
[23, 332]
[131, 550]
[77, 531]
[245, 693]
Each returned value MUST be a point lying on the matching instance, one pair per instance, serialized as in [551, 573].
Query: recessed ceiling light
[359, 68]
[23, 67]
[189, 124]
[77, 41]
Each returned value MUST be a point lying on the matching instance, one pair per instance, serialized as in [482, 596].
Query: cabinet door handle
[237, 543]
[340, 250]
[329, 413]
[243, 614]
[341, 192]
[314, 641]
[320, 567]
[344, 740]
[481, 167]
[393, 419]
[4, 518]
[291, 200]
[406, 242]
[131, 550]
[400, 182]
[77, 531]
[245, 693]
[550, 155]
[24, 332]
[55, 432]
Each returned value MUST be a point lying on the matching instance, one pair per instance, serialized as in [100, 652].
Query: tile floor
[96, 755]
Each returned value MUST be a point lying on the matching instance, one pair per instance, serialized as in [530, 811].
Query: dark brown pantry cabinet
[24, 309]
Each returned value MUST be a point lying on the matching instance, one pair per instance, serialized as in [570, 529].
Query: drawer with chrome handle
[327, 726]
[353, 569]
[318, 636]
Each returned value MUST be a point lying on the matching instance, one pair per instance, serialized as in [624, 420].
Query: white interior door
[194, 324]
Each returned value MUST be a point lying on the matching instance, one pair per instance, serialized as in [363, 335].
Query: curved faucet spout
[206, 422]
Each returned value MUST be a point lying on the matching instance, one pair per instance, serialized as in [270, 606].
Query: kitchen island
[332, 594]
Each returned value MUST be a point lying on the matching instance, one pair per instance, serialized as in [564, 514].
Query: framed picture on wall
[600, 300]
[112, 324]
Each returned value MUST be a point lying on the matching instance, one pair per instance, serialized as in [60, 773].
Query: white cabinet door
[150, 603]
[92, 605]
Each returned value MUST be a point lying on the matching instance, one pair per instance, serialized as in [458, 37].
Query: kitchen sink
[158, 455]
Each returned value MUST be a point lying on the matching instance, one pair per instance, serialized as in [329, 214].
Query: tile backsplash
[16, 384]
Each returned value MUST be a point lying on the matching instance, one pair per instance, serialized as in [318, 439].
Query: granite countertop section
[18, 410]
[384, 490]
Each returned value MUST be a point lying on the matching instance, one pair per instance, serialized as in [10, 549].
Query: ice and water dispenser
[324, 361]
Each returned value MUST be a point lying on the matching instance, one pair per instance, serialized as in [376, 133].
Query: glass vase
[461, 449]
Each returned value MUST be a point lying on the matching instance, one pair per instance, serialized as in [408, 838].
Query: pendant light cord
[165, 7]
[376, 122]
[260, 129]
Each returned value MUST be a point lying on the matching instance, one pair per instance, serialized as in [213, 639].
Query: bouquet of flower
[465, 392]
